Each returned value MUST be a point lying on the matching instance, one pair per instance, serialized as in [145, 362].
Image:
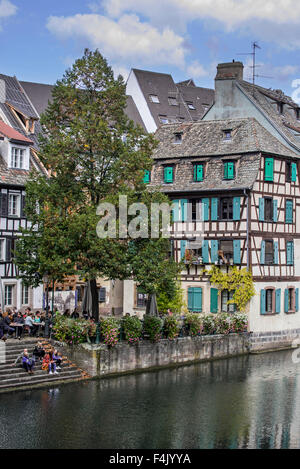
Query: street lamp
[47, 328]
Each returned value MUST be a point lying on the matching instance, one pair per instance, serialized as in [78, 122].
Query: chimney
[230, 71]
[2, 92]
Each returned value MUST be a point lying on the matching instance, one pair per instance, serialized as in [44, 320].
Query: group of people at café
[13, 323]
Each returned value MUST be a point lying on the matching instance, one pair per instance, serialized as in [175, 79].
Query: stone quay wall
[102, 361]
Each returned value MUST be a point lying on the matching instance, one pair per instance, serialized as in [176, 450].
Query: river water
[244, 402]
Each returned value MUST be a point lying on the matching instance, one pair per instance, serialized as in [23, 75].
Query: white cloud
[124, 39]
[229, 12]
[6, 9]
[196, 70]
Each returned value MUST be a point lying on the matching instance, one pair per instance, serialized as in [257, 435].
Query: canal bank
[104, 361]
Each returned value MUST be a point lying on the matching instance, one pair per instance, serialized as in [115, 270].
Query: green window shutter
[276, 252]
[237, 251]
[289, 211]
[290, 253]
[269, 169]
[294, 172]
[168, 174]
[262, 252]
[197, 306]
[147, 174]
[214, 209]
[182, 249]
[297, 300]
[175, 210]
[195, 299]
[286, 300]
[198, 172]
[236, 208]
[278, 301]
[184, 209]
[261, 209]
[213, 300]
[205, 209]
[275, 211]
[190, 299]
[214, 250]
[205, 251]
[229, 170]
[262, 301]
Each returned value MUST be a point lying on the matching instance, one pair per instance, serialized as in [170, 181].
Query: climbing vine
[236, 280]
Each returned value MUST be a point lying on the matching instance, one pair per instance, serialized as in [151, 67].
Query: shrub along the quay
[73, 331]
[153, 328]
[133, 329]
[171, 327]
[110, 328]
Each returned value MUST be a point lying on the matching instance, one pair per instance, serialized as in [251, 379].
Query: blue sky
[186, 38]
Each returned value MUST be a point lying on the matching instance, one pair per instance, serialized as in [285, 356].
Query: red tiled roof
[12, 133]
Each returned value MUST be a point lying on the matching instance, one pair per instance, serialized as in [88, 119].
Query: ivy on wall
[240, 281]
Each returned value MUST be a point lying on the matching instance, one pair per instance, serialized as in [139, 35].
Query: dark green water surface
[244, 402]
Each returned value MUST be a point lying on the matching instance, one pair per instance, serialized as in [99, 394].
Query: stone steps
[15, 377]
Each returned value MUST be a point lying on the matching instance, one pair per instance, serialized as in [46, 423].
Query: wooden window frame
[195, 166]
[293, 299]
[173, 173]
[273, 289]
[221, 201]
[271, 217]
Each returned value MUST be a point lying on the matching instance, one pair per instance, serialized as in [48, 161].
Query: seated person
[57, 359]
[27, 362]
[39, 351]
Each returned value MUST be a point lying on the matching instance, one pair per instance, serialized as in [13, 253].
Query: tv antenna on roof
[254, 66]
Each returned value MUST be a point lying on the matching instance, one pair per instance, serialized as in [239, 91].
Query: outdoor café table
[39, 325]
[16, 325]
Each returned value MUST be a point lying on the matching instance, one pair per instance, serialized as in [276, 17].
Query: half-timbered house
[19, 127]
[236, 186]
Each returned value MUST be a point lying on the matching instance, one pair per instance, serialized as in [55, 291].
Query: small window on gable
[178, 137]
[227, 134]
[280, 107]
[154, 98]
[190, 105]
[172, 101]
[229, 170]
[163, 119]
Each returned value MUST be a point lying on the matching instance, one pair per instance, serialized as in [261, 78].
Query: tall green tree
[94, 154]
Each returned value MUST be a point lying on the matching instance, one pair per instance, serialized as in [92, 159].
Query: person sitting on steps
[27, 362]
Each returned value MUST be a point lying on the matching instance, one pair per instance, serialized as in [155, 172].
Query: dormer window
[190, 106]
[172, 101]
[154, 98]
[297, 112]
[17, 157]
[178, 138]
[280, 107]
[163, 119]
[227, 134]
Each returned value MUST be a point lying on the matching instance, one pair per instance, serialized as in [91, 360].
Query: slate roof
[247, 167]
[267, 100]
[18, 99]
[206, 138]
[39, 94]
[163, 86]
